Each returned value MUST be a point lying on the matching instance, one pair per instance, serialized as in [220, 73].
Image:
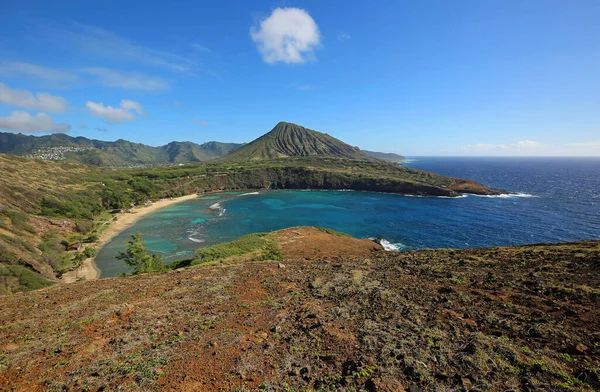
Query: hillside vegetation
[120, 153]
[291, 140]
[349, 319]
[386, 156]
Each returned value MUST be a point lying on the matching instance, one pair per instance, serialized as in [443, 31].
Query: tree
[137, 257]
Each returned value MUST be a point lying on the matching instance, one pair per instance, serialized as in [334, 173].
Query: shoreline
[88, 270]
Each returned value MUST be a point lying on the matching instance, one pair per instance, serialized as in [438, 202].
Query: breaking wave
[218, 207]
[505, 196]
[389, 246]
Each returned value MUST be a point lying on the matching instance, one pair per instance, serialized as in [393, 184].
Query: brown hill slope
[522, 318]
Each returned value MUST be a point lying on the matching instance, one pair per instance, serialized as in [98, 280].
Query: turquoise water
[559, 200]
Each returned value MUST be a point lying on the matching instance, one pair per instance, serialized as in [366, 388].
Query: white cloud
[132, 105]
[27, 100]
[15, 68]
[289, 35]
[343, 36]
[25, 122]
[532, 148]
[527, 144]
[126, 80]
[116, 115]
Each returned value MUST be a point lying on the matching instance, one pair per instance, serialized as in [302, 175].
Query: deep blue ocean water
[558, 200]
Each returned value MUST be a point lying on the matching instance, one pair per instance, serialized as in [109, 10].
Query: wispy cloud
[520, 146]
[106, 44]
[126, 80]
[27, 100]
[26, 123]
[16, 68]
[585, 145]
[200, 48]
[103, 130]
[202, 123]
[343, 36]
[85, 76]
[288, 35]
[116, 115]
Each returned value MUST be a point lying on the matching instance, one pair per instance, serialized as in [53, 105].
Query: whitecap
[250, 193]
[389, 246]
[506, 195]
[198, 240]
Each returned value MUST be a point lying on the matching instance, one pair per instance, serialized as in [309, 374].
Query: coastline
[88, 270]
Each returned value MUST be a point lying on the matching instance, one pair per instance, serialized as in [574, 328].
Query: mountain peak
[293, 140]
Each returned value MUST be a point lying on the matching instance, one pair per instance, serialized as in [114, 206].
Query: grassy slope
[522, 318]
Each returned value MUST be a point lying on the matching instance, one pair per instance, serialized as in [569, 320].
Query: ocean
[555, 200]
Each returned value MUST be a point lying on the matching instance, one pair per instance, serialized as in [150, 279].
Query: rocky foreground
[335, 314]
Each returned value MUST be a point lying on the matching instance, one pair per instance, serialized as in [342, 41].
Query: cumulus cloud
[126, 80]
[288, 35]
[116, 115]
[25, 122]
[27, 100]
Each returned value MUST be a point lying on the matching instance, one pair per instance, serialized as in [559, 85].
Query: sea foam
[506, 195]
[389, 246]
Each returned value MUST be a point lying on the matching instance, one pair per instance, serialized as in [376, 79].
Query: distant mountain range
[120, 153]
[285, 140]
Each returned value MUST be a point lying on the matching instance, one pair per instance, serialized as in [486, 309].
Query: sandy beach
[88, 269]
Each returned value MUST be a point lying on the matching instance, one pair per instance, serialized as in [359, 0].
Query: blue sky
[497, 77]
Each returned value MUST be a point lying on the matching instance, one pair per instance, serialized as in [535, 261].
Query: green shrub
[91, 238]
[90, 252]
[249, 243]
[19, 220]
[137, 257]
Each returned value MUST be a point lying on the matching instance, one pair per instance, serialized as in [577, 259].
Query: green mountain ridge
[386, 156]
[291, 140]
[120, 153]
[285, 140]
